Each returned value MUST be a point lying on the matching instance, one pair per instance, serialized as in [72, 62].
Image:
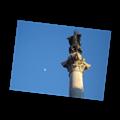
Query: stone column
[76, 65]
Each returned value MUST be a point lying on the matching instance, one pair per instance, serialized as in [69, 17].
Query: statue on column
[74, 41]
[75, 58]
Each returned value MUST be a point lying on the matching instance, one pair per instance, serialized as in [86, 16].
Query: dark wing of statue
[70, 41]
[78, 39]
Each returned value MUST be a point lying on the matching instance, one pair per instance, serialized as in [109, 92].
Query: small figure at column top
[74, 41]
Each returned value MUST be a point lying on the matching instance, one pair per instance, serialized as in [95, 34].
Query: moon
[44, 69]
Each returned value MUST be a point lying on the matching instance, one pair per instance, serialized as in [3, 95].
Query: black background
[46, 103]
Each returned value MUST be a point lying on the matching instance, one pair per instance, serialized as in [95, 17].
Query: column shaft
[76, 84]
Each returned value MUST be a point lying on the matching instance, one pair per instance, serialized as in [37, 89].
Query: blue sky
[41, 47]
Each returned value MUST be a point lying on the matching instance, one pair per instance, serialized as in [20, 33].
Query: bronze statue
[74, 42]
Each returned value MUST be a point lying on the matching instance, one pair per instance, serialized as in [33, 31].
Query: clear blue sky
[41, 47]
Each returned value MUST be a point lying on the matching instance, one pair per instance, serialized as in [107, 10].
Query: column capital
[75, 62]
